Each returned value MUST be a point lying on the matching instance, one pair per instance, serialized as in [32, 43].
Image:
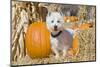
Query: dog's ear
[61, 13]
[49, 13]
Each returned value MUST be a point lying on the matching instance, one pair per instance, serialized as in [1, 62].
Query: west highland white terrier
[61, 38]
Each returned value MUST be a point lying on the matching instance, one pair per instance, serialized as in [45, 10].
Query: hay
[87, 39]
[86, 51]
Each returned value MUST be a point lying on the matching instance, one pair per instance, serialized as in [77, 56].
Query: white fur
[54, 16]
[62, 42]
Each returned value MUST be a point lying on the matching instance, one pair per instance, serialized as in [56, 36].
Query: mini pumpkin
[75, 47]
[86, 26]
[71, 19]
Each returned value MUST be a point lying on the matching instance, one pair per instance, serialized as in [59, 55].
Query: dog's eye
[58, 21]
[52, 21]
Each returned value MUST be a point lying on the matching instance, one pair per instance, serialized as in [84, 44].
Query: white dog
[61, 39]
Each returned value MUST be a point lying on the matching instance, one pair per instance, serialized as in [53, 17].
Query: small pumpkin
[75, 47]
[71, 19]
[37, 40]
[86, 26]
[83, 26]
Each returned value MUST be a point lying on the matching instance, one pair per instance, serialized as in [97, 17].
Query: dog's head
[55, 21]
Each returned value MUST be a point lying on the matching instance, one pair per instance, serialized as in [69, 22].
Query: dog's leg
[56, 52]
[65, 52]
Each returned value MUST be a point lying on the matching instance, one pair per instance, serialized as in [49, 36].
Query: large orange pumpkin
[38, 40]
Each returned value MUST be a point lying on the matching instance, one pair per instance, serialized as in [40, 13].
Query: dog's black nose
[55, 27]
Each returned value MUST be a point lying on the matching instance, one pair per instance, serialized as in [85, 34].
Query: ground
[86, 51]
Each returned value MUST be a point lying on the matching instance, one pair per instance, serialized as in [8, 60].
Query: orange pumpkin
[38, 40]
[86, 26]
[75, 47]
[71, 19]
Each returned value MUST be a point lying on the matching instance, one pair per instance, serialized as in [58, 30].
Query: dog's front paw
[64, 53]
